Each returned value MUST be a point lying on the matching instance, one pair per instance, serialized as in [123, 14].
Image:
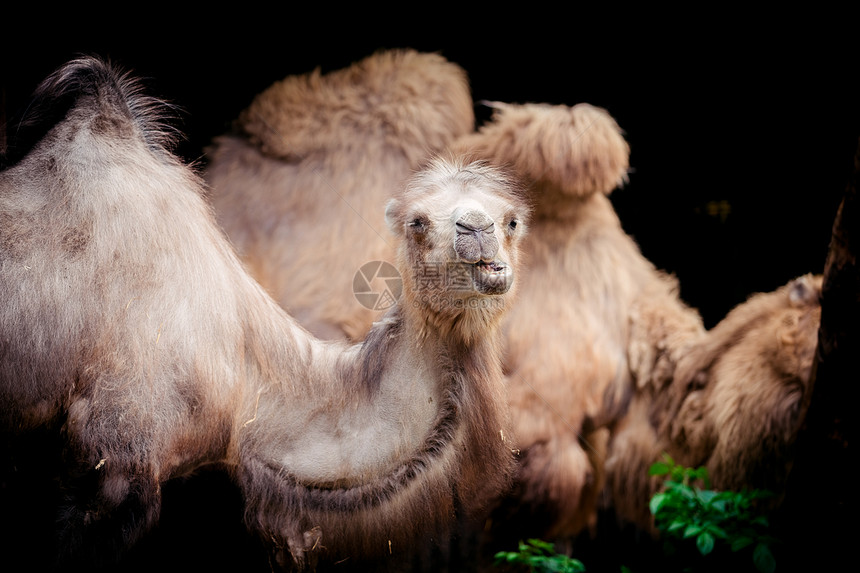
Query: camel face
[460, 226]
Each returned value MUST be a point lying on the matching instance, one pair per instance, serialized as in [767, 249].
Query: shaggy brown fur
[331, 147]
[750, 384]
[129, 324]
[595, 317]
[735, 404]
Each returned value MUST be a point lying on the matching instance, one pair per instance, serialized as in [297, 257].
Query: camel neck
[337, 438]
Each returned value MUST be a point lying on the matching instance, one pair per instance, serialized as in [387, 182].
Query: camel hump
[404, 98]
[88, 91]
[578, 149]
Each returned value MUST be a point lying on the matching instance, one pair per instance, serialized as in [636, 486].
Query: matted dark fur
[132, 336]
[735, 404]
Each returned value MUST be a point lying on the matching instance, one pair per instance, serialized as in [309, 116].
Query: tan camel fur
[734, 405]
[131, 327]
[594, 318]
[331, 147]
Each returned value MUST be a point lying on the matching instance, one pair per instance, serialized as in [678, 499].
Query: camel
[334, 147]
[134, 337]
[596, 318]
[734, 405]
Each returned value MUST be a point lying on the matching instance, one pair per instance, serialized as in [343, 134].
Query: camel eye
[512, 225]
[417, 224]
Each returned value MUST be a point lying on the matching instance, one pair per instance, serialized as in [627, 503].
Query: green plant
[540, 556]
[682, 510]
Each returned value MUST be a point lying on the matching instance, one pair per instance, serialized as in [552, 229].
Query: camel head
[459, 225]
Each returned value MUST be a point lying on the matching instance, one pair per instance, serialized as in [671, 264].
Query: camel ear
[805, 290]
[579, 150]
[391, 216]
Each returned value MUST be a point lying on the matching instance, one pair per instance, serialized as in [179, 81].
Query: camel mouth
[493, 277]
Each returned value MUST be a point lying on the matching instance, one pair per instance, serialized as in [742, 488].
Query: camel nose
[474, 221]
[476, 240]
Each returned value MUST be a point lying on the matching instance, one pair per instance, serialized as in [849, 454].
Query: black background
[742, 125]
[752, 115]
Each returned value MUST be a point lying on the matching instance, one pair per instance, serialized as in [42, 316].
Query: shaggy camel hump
[576, 150]
[91, 89]
[413, 102]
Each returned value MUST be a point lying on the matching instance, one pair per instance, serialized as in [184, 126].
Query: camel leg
[110, 487]
[105, 511]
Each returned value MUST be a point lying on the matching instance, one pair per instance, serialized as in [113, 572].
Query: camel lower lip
[491, 267]
[493, 277]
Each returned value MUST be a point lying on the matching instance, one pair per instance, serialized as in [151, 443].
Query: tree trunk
[817, 519]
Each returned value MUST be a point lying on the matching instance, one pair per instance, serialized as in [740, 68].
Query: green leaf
[717, 531]
[544, 545]
[761, 520]
[763, 558]
[705, 495]
[686, 491]
[675, 526]
[705, 543]
[540, 555]
[739, 543]
[719, 504]
[692, 531]
[657, 502]
[658, 469]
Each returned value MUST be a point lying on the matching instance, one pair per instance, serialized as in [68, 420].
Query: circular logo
[377, 285]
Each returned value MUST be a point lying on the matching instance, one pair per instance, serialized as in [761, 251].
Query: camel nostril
[474, 222]
[463, 229]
